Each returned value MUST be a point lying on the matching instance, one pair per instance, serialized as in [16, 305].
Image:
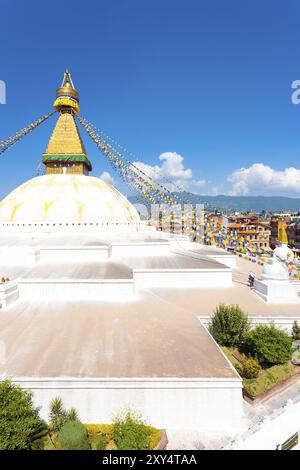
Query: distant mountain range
[242, 203]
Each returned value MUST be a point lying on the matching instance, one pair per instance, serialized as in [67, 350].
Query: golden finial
[67, 97]
[67, 80]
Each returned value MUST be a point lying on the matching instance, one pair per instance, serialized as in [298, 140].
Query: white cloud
[257, 179]
[172, 173]
[260, 179]
[107, 178]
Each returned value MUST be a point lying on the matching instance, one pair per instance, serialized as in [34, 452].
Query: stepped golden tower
[65, 152]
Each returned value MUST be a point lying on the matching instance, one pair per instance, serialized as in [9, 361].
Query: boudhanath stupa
[106, 311]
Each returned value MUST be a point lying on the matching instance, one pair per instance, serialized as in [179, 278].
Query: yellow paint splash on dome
[75, 184]
[47, 205]
[13, 212]
[98, 183]
[80, 207]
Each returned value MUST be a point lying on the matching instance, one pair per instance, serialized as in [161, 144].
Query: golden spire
[65, 152]
[67, 97]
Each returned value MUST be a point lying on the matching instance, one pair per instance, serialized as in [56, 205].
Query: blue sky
[208, 81]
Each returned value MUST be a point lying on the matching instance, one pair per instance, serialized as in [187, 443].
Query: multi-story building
[254, 231]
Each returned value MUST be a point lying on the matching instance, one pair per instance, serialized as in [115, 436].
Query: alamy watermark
[177, 218]
[295, 96]
[2, 92]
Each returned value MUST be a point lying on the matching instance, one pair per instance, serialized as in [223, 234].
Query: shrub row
[96, 430]
[128, 432]
[267, 379]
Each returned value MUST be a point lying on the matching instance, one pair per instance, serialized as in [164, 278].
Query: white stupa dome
[67, 198]
[276, 269]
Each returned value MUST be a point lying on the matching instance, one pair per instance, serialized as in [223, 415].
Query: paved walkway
[195, 440]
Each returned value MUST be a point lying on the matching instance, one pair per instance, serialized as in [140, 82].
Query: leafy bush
[154, 436]
[267, 379]
[100, 442]
[269, 344]
[20, 424]
[95, 430]
[251, 368]
[130, 433]
[111, 445]
[73, 436]
[39, 444]
[296, 330]
[229, 325]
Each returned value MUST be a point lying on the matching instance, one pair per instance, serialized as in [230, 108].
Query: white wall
[284, 323]
[211, 404]
[276, 292]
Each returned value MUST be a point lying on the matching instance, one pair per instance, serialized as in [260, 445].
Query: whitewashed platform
[8, 293]
[89, 267]
[80, 289]
[276, 292]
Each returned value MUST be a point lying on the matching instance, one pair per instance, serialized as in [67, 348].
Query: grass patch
[234, 355]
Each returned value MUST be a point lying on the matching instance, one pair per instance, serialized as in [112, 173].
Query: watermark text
[2, 92]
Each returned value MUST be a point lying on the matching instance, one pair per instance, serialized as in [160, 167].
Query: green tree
[130, 432]
[20, 424]
[296, 330]
[72, 415]
[229, 325]
[59, 416]
[269, 344]
[73, 436]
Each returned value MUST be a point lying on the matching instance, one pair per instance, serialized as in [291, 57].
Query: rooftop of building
[158, 334]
